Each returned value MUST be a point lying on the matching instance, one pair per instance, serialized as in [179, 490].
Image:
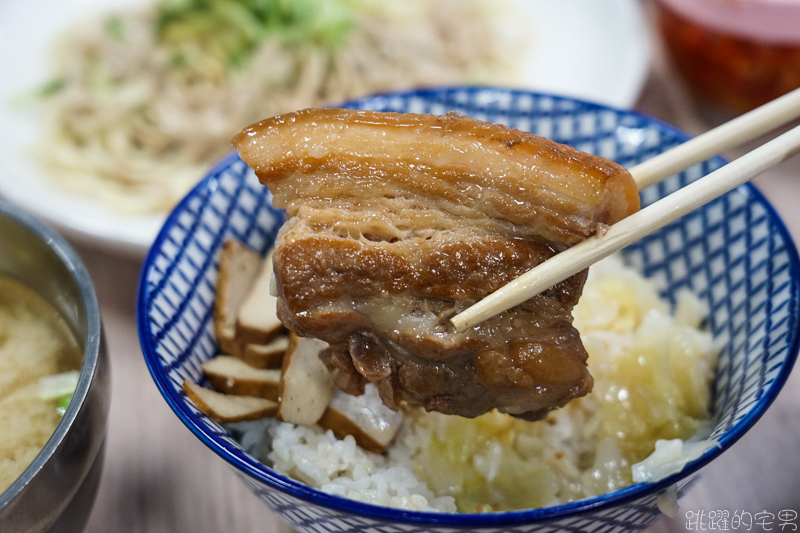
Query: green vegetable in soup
[63, 403]
[55, 386]
[59, 387]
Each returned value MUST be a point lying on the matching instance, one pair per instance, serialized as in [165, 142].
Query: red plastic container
[736, 53]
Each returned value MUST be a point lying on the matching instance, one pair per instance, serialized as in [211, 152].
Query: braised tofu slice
[264, 355]
[233, 376]
[306, 385]
[226, 408]
[238, 268]
[258, 321]
[371, 423]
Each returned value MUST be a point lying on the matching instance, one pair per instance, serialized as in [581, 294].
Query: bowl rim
[91, 353]
[245, 464]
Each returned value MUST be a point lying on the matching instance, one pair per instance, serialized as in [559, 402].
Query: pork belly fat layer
[398, 222]
[486, 170]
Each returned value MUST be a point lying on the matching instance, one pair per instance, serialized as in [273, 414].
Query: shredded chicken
[135, 121]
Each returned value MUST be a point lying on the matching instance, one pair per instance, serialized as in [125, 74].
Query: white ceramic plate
[591, 49]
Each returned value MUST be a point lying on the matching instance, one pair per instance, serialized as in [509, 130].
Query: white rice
[317, 458]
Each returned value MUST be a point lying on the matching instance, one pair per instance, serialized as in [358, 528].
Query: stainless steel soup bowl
[56, 492]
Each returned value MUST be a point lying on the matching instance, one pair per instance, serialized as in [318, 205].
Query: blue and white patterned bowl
[735, 253]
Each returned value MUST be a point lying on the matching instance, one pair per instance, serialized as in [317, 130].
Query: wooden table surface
[159, 478]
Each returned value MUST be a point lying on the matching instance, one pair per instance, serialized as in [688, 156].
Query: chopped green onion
[178, 60]
[114, 26]
[50, 88]
[240, 17]
[234, 29]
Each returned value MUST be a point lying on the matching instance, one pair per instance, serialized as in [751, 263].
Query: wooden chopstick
[631, 229]
[729, 135]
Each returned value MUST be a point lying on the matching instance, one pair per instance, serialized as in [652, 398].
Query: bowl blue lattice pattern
[734, 253]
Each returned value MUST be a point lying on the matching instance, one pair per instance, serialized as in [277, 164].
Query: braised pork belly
[397, 222]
